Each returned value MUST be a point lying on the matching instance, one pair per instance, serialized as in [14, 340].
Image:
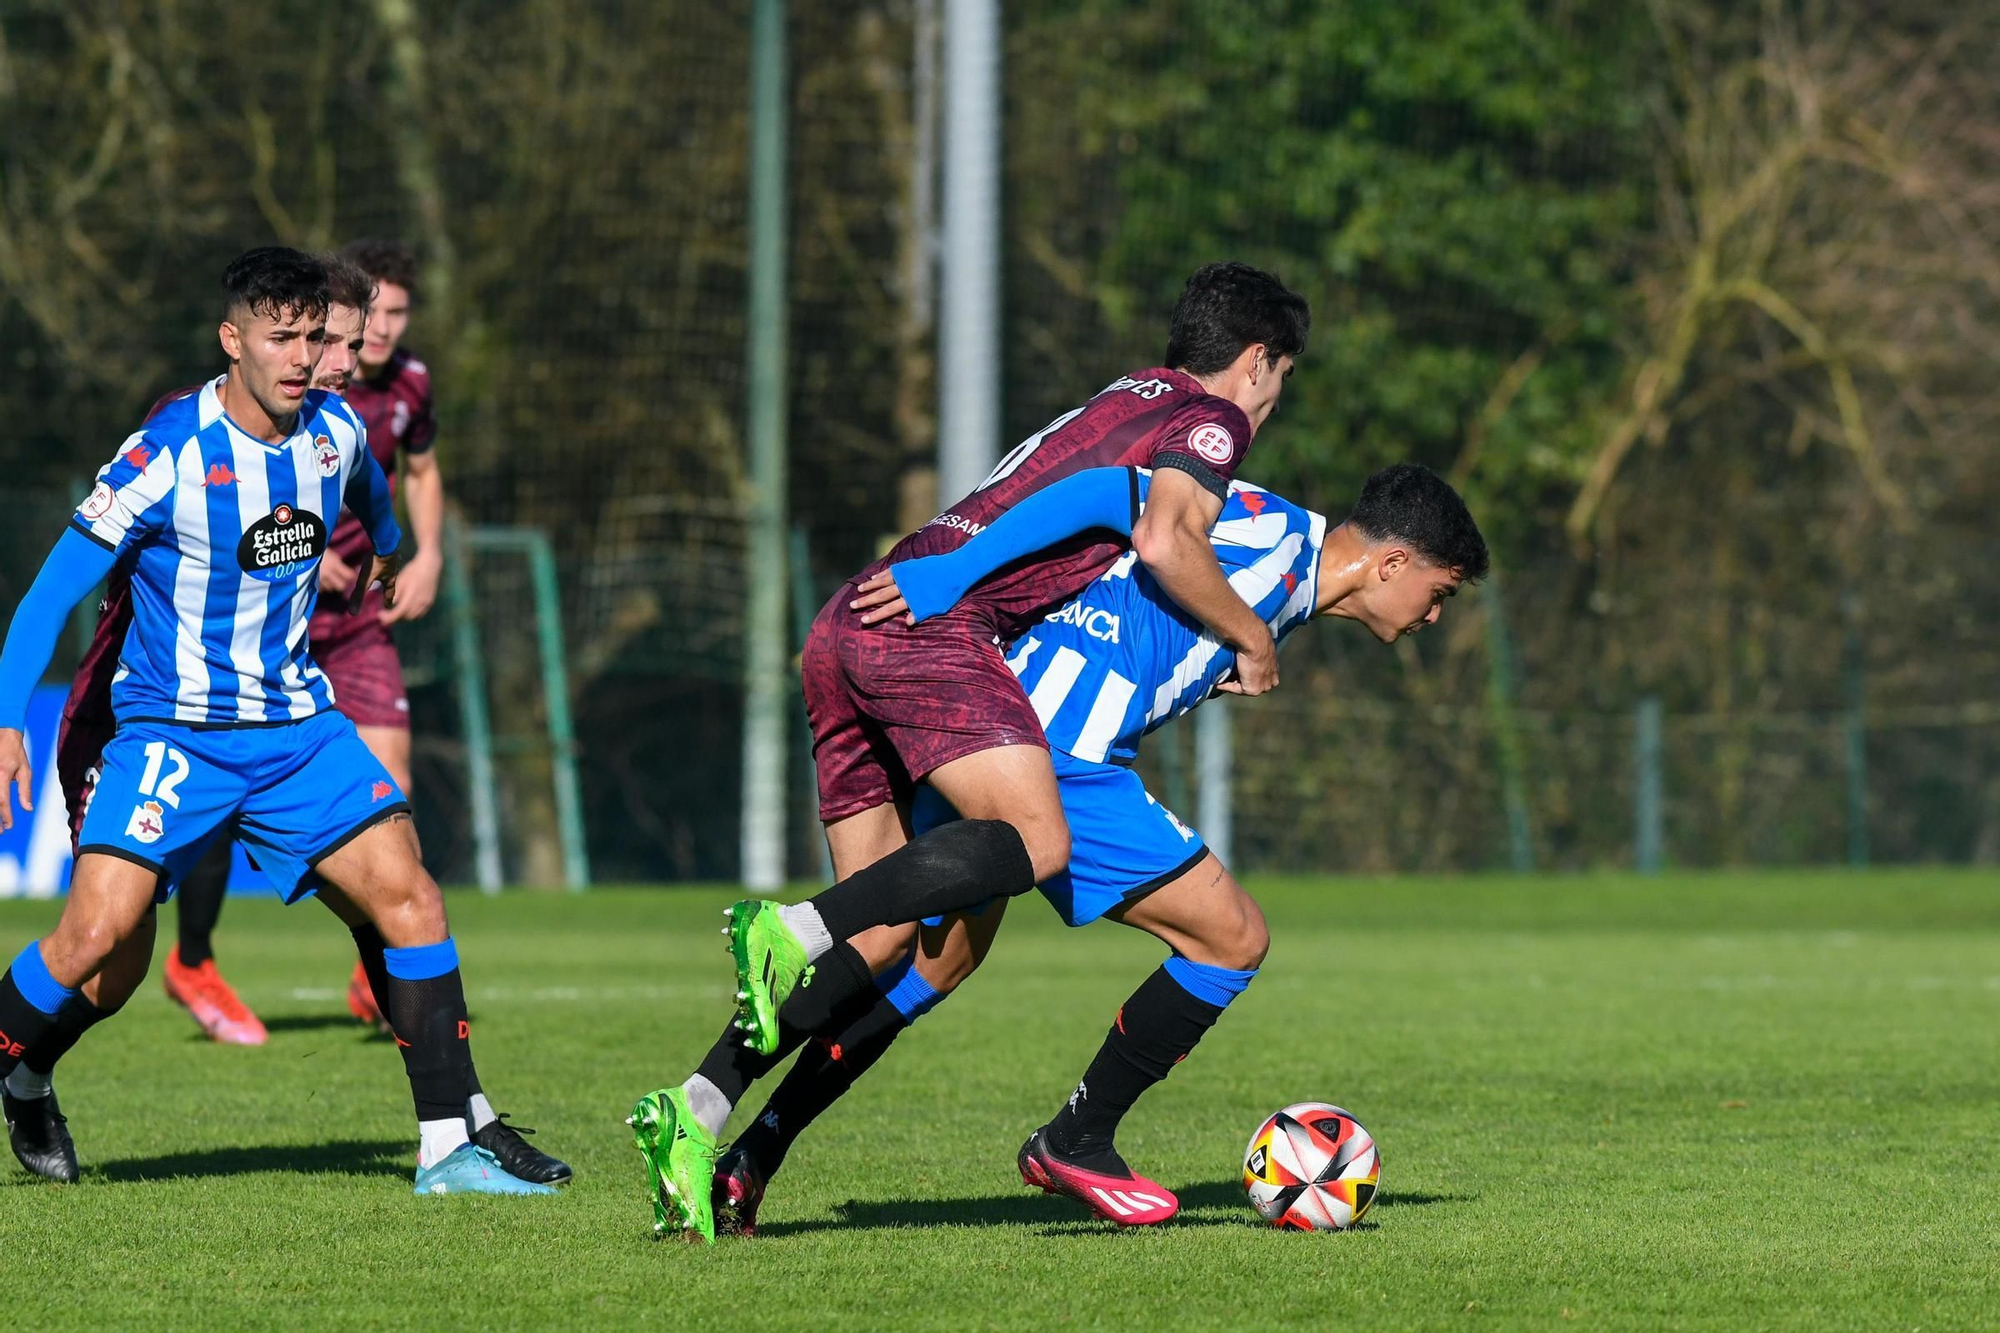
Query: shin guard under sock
[1154, 1031]
[951, 868]
[426, 1006]
[825, 1070]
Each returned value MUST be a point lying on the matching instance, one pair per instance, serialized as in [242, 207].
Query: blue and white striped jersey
[223, 534]
[1121, 658]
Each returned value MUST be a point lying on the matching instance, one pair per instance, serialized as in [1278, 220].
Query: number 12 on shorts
[159, 754]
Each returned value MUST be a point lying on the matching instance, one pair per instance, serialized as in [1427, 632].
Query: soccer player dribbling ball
[892, 705]
[1109, 666]
[221, 507]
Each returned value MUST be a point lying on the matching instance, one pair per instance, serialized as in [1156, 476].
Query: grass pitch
[1717, 1101]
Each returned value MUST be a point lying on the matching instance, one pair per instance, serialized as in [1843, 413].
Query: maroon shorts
[360, 659]
[890, 704]
[79, 749]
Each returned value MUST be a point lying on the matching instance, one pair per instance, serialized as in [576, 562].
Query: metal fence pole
[1213, 779]
[1854, 726]
[1648, 819]
[765, 676]
[472, 707]
[969, 323]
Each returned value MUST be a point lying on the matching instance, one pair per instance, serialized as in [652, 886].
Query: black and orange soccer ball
[1311, 1167]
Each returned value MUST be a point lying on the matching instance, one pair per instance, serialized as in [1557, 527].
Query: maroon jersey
[87, 721]
[1154, 418]
[395, 405]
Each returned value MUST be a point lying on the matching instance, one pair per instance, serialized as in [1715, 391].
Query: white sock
[480, 1112]
[708, 1104]
[804, 920]
[440, 1139]
[26, 1085]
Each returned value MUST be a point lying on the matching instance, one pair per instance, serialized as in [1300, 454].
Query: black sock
[368, 943]
[75, 1018]
[841, 981]
[21, 1024]
[825, 1070]
[200, 904]
[949, 869]
[435, 1036]
[1154, 1031]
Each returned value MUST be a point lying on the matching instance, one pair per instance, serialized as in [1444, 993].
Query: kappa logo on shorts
[148, 822]
[325, 455]
[381, 791]
[1212, 442]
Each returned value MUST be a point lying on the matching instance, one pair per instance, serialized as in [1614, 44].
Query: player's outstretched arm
[76, 565]
[1098, 497]
[1171, 539]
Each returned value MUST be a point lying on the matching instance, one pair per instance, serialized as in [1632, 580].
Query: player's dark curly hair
[1225, 308]
[274, 280]
[1411, 503]
[385, 261]
[347, 283]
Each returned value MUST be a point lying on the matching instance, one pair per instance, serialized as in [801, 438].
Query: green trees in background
[1697, 301]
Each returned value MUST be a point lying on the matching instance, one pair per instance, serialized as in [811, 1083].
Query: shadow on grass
[1217, 1203]
[353, 1157]
[321, 1023]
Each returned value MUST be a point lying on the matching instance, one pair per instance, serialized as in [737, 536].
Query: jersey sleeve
[1207, 439]
[422, 432]
[131, 497]
[365, 489]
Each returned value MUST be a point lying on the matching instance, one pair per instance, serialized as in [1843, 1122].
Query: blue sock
[422, 962]
[906, 988]
[1207, 982]
[37, 987]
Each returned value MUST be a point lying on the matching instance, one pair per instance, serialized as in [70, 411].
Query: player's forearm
[1183, 563]
[423, 496]
[1096, 498]
[74, 567]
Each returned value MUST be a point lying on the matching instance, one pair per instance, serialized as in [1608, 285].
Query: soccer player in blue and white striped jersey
[221, 506]
[1115, 662]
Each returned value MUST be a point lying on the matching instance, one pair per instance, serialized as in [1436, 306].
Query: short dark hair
[274, 280]
[1225, 308]
[347, 283]
[385, 261]
[1410, 503]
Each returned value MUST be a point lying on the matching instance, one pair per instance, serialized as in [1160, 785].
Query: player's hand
[335, 575]
[416, 586]
[387, 569]
[1256, 670]
[879, 599]
[16, 773]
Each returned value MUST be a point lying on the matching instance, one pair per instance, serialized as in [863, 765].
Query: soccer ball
[1311, 1167]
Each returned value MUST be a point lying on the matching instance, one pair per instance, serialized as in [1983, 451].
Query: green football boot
[680, 1163]
[770, 961]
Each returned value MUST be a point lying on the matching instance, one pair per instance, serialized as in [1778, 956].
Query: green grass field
[1716, 1101]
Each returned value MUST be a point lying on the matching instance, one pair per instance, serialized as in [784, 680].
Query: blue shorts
[1122, 843]
[293, 794]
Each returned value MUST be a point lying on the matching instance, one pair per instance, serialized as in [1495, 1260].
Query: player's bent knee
[1048, 849]
[978, 858]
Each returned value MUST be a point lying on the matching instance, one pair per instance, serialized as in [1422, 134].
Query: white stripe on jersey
[1260, 531]
[311, 488]
[1019, 661]
[1056, 683]
[190, 523]
[1107, 718]
[1253, 583]
[248, 602]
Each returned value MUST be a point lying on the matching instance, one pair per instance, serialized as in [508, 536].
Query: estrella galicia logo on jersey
[325, 455]
[282, 544]
[1212, 442]
[1092, 621]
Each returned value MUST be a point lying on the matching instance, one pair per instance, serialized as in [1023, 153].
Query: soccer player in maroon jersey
[893, 704]
[391, 393]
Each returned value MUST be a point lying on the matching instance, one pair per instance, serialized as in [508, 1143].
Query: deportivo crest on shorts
[325, 455]
[148, 822]
[1212, 442]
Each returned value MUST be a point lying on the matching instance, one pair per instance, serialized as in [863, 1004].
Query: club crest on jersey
[282, 544]
[148, 822]
[1212, 442]
[325, 455]
[97, 504]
